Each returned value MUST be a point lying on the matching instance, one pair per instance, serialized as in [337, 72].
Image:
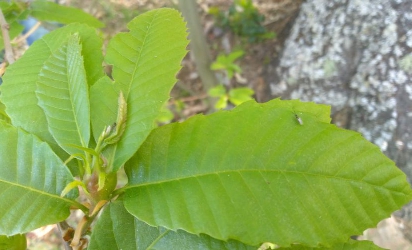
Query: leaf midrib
[38, 191]
[254, 170]
[71, 95]
[137, 64]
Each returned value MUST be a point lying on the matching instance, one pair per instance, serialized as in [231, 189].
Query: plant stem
[63, 226]
[28, 33]
[9, 56]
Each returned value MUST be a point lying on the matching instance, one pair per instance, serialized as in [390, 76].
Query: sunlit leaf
[62, 92]
[240, 95]
[145, 61]
[118, 229]
[19, 82]
[31, 180]
[258, 174]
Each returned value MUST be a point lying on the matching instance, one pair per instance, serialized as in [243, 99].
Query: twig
[2, 68]
[28, 33]
[6, 39]
[63, 227]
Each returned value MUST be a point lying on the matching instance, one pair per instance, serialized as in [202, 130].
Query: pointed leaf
[31, 180]
[49, 11]
[256, 174]
[103, 104]
[15, 242]
[19, 82]
[145, 62]
[117, 229]
[63, 95]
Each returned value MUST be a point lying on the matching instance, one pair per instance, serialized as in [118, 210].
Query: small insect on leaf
[299, 119]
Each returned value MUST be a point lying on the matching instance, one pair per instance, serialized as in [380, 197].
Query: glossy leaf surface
[62, 92]
[118, 229]
[31, 180]
[273, 172]
[145, 61]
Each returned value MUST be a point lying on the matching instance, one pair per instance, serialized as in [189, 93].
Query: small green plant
[244, 20]
[260, 175]
[165, 115]
[236, 96]
[227, 63]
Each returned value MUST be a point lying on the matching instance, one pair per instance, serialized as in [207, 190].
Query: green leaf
[63, 95]
[19, 82]
[49, 11]
[31, 180]
[240, 95]
[233, 56]
[118, 229]
[145, 62]
[256, 174]
[350, 245]
[165, 115]
[217, 91]
[221, 103]
[3, 115]
[15, 242]
[103, 104]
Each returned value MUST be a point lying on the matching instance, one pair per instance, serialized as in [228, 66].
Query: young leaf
[240, 95]
[255, 174]
[49, 11]
[217, 91]
[19, 82]
[145, 62]
[31, 180]
[118, 229]
[63, 95]
[104, 96]
[15, 242]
